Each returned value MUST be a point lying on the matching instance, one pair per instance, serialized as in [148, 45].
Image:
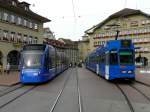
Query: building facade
[66, 46]
[18, 26]
[48, 34]
[71, 50]
[84, 49]
[131, 24]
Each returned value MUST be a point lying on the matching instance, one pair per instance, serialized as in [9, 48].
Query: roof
[90, 30]
[126, 12]
[67, 41]
[122, 13]
[25, 3]
[19, 10]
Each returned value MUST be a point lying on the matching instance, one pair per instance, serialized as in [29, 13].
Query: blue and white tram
[114, 60]
[40, 63]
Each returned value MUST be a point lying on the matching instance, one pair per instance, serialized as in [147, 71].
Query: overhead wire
[74, 16]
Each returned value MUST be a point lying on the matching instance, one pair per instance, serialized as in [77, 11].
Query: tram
[114, 60]
[40, 63]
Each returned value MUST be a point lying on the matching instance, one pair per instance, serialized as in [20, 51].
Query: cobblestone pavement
[143, 75]
[9, 79]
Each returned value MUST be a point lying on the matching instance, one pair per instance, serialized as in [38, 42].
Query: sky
[70, 18]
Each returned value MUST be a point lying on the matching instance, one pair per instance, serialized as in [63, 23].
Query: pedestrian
[75, 64]
[7, 68]
[1, 68]
[70, 65]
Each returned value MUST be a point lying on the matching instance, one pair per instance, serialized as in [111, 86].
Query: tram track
[16, 96]
[79, 93]
[139, 91]
[142, 93]
[61, 92]
[126, 98]
[10, 89]
[142, 83]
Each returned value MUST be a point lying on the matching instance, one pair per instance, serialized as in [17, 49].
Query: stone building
[84, 50]
[48, 33]
[18, 26]
[132, 24]
[71, 50]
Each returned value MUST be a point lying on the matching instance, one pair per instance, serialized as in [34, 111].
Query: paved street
[143, 75]
[9, 79]
[97, 95]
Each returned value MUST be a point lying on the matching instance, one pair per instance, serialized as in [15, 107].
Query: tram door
[107, 65]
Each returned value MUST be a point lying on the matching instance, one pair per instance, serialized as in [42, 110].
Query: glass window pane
[113, 58]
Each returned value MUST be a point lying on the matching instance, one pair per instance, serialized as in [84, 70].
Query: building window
[106, 28]
[35, 26]
[35, 40]
[19, 21]
[143, 22]
[14, 3]
[30, 25]
[12, 36]
[147, 21]
[134, 23]
[26, 8]
[1, 35]
[5, 36]
[25, 38]
[25, 22]
[19, 37]
[0, 15]
[5, 16]
[12, 19]
[30, 40]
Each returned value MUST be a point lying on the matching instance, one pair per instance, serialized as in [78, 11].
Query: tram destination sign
[126, 43]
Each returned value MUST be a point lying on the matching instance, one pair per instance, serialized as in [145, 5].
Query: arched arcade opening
[1, 56]
[13, 58]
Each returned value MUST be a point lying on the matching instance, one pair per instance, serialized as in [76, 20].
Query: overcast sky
[69, 22]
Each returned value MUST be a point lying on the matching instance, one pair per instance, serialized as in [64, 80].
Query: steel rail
[138, 90]
[142, 83]
[126, 97]
[18, 96]
[10, 89]
[79, 93]
[59, 94]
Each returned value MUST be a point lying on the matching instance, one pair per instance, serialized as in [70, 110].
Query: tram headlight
[130, 71]
[123, 71]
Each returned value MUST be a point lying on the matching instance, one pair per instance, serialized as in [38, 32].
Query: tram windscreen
[126, 57]
[32, 59]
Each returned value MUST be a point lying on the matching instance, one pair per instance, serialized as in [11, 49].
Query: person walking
[7, 68]
[1, 69]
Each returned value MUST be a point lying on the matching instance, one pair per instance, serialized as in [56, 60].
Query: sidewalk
[9, 79]
[143, 76]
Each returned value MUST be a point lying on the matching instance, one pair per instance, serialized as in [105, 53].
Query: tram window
[53, 61]
[46, 62]
[113, 59]
[50, 63]
[126, 57]
[103, 59]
